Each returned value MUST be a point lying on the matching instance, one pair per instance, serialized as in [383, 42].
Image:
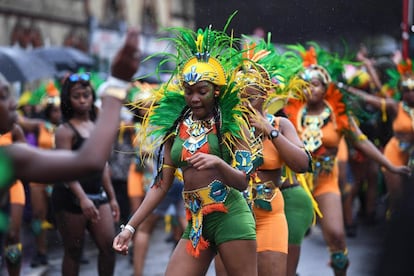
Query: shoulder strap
[77, 134]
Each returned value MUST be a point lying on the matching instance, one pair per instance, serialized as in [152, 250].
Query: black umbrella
[65, 58]
[19, 65]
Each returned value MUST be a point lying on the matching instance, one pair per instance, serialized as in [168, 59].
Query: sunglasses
[85, 77]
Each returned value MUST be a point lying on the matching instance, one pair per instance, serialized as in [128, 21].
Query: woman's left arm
[362, 143]
[287, 141]
[109, 189]
[290, 147]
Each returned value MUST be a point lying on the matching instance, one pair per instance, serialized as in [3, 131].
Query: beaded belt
[407, 148]
[263, 194]
[323, 164]
[201, 202]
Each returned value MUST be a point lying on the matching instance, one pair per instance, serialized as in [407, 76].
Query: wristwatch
[273, 134]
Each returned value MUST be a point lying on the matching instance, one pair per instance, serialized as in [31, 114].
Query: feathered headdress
[320, 63]
[328, 68]
[401, 77]
[200, 56]
[261, 65]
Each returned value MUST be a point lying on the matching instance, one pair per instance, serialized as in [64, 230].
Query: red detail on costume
[334, 98]
[292, 110]
[202, 244]
[187, 214]
[405, 67]
[208, 209]
[215, 207]
[184, 135]
[186, 154]
[309, 57]
[248, 50]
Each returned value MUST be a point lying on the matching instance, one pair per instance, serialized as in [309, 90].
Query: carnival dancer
[12, 254]
[321, 122]
[208, 141]
[265, 76]
[44, 130]
[364, 75]
[88, 203]
[400, 148]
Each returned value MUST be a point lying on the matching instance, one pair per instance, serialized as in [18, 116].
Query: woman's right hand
[88, 209]
[121, 242]
[126, 61]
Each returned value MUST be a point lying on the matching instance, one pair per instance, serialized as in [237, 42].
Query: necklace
[197, 131]
[311, 128]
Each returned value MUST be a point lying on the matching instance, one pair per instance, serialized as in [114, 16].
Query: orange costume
[319, 132]
[396, 151]
[45, 140]
[16, 192]
[138, 179]
[269, 222]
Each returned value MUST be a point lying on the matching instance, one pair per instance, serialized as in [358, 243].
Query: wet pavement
[364, 250]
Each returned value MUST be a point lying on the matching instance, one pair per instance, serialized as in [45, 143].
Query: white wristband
[115, 82]
[129, 228]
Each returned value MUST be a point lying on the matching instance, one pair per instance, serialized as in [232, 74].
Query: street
[364, 250]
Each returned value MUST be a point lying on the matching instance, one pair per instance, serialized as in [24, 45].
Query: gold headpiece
[203, 69]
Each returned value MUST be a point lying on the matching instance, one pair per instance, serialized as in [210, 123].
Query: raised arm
[368, 63]
[287, 142]
[389, 104]
[47, 166]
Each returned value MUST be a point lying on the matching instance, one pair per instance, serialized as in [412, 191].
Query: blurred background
[95, 28]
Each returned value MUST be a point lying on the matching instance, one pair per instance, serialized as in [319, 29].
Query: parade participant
[202, 130]
[141, 241]
[32, 164]
[363, 75]
[90, 202]
[399, 150]
[44, 129]
[263, 76]
[321, 122]
[14, 207]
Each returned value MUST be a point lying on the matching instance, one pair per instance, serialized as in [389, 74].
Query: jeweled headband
[203, 69]
[316, 71]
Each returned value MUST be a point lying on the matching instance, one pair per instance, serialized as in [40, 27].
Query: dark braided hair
[186, 110]
[217, 121]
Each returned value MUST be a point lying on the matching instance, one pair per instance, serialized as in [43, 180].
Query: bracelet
[116, 92]
[128, 227]
[383, 110]
[113, 81]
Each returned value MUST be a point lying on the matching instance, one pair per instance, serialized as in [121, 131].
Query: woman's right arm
[42, 166]
[154, 196]
[29, 124]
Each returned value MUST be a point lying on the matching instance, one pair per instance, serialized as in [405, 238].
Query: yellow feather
[199, 42]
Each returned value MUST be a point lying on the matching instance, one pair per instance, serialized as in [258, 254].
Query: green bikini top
[196, 136]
